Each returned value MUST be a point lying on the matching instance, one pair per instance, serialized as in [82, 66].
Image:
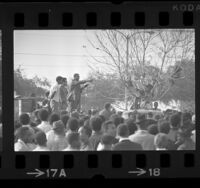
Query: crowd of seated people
[104, 131]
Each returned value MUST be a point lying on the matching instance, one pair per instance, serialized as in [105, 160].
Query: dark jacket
[127, 145]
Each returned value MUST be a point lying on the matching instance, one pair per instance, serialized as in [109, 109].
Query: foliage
[141, 58]
[26, 86]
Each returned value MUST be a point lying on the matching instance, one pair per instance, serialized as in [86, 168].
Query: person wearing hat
[142, 136]
[75, 91]
[56, 140]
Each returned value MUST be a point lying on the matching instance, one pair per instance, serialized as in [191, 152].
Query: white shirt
[144, 138]
[21, 146]
[41, 148]
[70, 149]
[122, 139]
[55, 88]
[44, 126]
[56, 142]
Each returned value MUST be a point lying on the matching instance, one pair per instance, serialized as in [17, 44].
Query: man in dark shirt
[124, 142]
[75, 91]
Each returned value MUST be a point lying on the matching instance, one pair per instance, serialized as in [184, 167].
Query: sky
[52, 53]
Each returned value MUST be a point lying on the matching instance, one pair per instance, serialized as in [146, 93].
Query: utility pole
[126, 72]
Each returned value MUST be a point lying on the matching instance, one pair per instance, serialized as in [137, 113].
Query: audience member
[124, 142]
[96, 125]
[161, 141]
[106, 143]
[153, 129]
[175, 121]
[142, 136]
[25, 138]
[56, 140]
[72, 125]
[41, 141]
[184, 137]
[44, 126]
[85, 133]
[106, 112]
[74, 143]
[131, 125]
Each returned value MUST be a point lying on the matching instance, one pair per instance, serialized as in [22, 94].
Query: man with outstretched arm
[75, 91]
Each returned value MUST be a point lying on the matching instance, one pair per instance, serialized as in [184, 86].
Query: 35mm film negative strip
[99, 90]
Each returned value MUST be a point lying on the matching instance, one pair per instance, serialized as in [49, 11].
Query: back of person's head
[73, 124]
[150, 115]
[116, 119]
[53, 117]
[107, 106]
[43, 115]
[123, 131]
[131, 126]
[64, 119]
[107, 139]
[164, 127]
[40, 138]
[75, 114]
[186, 117]
[175, 120]
[74, 140]
[96, 124]
[58, 127]
[141, 122]
[24, 119]
[85, 130]
[153, 129]
[161, 140]
[23, 133]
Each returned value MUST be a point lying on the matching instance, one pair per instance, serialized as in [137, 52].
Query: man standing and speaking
[75, 91]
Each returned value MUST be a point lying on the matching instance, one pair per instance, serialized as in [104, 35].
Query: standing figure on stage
[55, 96]
[75, 91]
[64, 94]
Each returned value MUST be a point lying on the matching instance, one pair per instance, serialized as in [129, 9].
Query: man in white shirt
[55, 95]
[74, 142]
[24, 139]
[44, 126]
[141, 136]
[41, 141]
[56, 140]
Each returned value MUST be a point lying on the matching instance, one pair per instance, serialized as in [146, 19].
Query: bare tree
[147, 62]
